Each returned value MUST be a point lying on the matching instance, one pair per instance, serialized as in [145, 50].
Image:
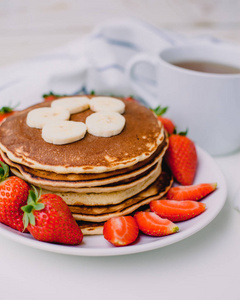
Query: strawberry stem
[4, 171]
[32, 205]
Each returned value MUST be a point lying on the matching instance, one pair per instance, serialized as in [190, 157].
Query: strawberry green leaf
[4, 171]
[28, 216]
[32, 205]
[183, 133]
[49, 94]
[5, 109]
[39, 206]
[52, 94]
[27, 209]
[25, 221]
[32, 219]
[32, 198]
[159, 111]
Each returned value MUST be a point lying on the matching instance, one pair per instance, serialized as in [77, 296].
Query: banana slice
[72, 104]
[63, 132]
[107, 104]
[38, 117]
[105, 124]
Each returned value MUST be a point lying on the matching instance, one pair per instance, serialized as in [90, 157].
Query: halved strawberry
[151, 224]
[176, 211]
[121, 231]
[192, 192]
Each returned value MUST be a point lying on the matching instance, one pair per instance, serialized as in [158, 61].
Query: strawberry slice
[121, 231]
[151, 224]
[192, 192]
[176, 211]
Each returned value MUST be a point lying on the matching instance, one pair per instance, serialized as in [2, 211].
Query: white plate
[207, 171]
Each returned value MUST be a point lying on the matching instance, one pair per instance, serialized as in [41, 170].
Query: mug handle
[144, 87]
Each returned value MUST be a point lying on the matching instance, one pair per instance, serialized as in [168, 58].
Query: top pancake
[140, 138]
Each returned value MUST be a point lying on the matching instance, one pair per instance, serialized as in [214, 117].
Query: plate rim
[130, 249]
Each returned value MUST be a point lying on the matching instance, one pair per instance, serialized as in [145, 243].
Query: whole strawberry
[6, 111]
[167, 123]
[181, 157]
[49, 219]
[13, 195]
[51, 96]
[131, 99]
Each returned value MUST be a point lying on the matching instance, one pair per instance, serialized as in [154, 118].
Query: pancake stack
[98, 177]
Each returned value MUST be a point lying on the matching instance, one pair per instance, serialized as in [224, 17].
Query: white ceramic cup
[205, 103]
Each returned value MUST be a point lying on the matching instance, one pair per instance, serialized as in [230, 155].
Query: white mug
[207, 104]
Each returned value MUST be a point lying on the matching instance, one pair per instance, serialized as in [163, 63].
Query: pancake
[156, 191]
[101, 214]
[92, 199]
[159, 186]
[140, 138]
[91, 228]
[112, 176]
[153, 173]
[54, 182]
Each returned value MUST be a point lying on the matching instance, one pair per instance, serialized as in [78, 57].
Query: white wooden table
[205, 265]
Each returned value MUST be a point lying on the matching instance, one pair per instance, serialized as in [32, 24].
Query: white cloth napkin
[95, 62]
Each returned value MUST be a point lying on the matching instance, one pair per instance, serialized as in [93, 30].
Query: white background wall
[29, 27]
